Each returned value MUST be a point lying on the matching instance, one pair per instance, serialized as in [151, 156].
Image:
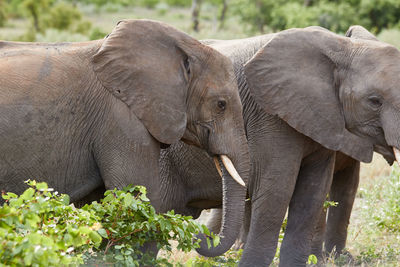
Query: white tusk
[397, 154]
[217, 165]
[231, 169]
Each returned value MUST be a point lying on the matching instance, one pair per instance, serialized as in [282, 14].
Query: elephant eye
[186, 65]
[222, 104]
[375, 101]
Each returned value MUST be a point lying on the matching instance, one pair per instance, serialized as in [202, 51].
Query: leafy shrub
[62, 16]
[184, 3]
[41, 228]
[129, 221]
[335, 15]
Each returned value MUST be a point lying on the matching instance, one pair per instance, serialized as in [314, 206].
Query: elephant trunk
[390, 124]
[234, 195]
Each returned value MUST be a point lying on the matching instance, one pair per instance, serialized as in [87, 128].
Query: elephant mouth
[387, 152]
[205, 204]
[396, 154]
[227, 163]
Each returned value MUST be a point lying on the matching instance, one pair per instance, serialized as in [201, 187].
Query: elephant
[85, 117]
[332, 230]
[310, 97]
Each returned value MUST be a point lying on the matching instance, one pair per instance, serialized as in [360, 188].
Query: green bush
[41, 228]
[62, 16]
[335, 15]
[184, 3]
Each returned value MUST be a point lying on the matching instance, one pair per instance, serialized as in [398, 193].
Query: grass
[374, 231]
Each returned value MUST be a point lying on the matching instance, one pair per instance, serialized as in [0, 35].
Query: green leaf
[208, 242]
[128, 199]
[41, 186]
[65, 199]
[28, 258]
[206, 231]
[119, 257]
[312, 259]
[102, 232]
[28, 194]
[216, 240]
[34, 238]
[96, 238]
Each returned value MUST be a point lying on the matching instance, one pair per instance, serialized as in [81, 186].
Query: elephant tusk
[218, 166]
[397, 154]
[231, 169]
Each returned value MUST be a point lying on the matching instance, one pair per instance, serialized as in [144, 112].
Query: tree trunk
[260, 22]
[223, 13]
[308, 2]
[196, 5]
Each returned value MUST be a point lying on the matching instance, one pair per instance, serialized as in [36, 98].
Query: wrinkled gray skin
[85, 117]
[312, 93]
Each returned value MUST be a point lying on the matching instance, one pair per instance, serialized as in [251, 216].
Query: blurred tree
[222, 15]
[196, 5]
[258, 13]
[223, 9]
[35, 10]
[62, 16]
[15, 8]
[182, 3]
[3, 13]
[335, 15]
[379, 14]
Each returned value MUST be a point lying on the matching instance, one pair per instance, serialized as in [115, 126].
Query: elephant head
[181, 89]
[342, 92]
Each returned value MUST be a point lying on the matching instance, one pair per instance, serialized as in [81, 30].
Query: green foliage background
[254, 15]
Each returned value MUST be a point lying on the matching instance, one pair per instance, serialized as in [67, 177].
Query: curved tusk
[231, 169]
[397, 154]
[217, 165]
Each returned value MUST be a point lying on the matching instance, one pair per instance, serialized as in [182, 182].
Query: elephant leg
[270, 196]
[318, 238]
[305, 207]
[343, 190]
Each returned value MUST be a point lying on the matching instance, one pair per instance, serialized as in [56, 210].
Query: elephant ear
[145, 64]
[359, 32]
[293, 76]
